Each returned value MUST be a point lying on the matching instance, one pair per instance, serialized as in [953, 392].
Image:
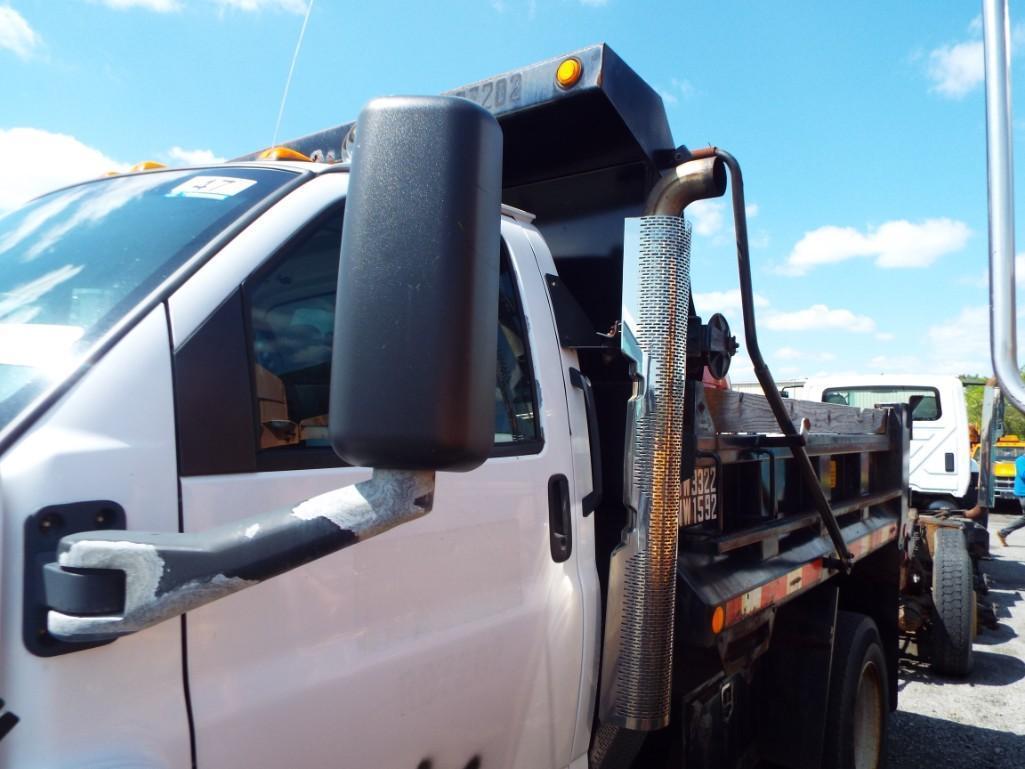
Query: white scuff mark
[189, 596]
[389, 498]
[251, 531]
[142, 565]
[143, 569]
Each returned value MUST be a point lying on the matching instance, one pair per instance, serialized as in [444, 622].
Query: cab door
[451, 641]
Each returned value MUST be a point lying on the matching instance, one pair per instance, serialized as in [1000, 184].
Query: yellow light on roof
[569, 72]
[146, 165]
[282, 153]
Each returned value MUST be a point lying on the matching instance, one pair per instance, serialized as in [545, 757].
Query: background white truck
[454, 498]
[941, 463]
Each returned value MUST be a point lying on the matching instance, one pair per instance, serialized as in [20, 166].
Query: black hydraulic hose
[786, 425]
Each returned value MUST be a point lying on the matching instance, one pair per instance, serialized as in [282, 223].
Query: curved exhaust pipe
[696, 179]
[637, 661]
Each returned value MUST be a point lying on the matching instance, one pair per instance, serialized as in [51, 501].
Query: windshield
[1006, 453]
[74, 262]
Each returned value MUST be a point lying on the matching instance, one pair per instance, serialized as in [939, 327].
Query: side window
[515, 404]
[290, 314]
[291, 323]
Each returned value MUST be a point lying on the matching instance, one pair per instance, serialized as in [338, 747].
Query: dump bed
[751, 538]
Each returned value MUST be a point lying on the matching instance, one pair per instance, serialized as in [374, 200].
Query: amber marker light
[718, 620]
[282, 153]
[569, 72]
[146, 165]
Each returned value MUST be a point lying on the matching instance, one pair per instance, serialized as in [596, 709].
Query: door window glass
[291, 322]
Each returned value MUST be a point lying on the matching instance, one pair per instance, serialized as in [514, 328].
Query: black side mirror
[413, 364]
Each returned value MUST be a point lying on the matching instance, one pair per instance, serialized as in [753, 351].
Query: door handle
[560, 522]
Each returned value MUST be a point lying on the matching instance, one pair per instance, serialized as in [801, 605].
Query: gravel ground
[977, 722]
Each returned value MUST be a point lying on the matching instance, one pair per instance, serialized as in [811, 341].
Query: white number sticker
[699, 497]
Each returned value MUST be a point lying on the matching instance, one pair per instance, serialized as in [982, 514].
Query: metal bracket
[710, 344]
[42, 590]
[576, 332]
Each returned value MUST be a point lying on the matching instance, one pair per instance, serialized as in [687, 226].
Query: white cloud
[684, 86]
[884, 336]
[193, 157]
[667, 96]
[819, 316]
[960, 345]
[706, 216]
[16, 35]
[897, 243]
[289, 6]
[751, 209]
[956, 69]
[895, 364]
[723, 301]
[790, 353]
[160, 6]
[38, 161]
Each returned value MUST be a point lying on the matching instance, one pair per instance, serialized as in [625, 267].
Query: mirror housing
[413, 363]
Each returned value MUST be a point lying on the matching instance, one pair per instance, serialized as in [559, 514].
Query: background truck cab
[940, 452]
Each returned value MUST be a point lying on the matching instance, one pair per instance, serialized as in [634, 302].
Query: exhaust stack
[638, 653]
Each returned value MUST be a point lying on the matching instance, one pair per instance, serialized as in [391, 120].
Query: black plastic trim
[24, 420]
[560, 520]
[575, 329]
[591, 501]
[212, 396]
[7, 721]
[43, 532]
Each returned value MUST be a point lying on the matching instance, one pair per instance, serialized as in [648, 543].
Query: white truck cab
[210, 407]
[941, 471]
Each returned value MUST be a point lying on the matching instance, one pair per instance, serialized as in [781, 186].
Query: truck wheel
[953, 596]
[859, 697]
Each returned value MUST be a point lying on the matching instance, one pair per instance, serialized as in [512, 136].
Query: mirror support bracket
[167, 574]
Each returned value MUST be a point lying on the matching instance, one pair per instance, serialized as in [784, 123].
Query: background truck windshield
[72, 263]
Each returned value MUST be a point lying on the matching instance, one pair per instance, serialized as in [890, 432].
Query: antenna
[291, 69]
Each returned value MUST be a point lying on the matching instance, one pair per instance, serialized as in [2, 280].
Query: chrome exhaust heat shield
[637, 660]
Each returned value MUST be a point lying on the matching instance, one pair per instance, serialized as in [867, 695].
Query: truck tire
[954, 600]
[859, 697]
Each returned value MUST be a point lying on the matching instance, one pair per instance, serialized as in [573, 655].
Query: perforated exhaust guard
[638, 646]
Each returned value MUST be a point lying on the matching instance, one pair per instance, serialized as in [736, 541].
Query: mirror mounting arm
[167, 574]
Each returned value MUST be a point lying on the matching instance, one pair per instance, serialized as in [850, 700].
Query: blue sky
[860, 127]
